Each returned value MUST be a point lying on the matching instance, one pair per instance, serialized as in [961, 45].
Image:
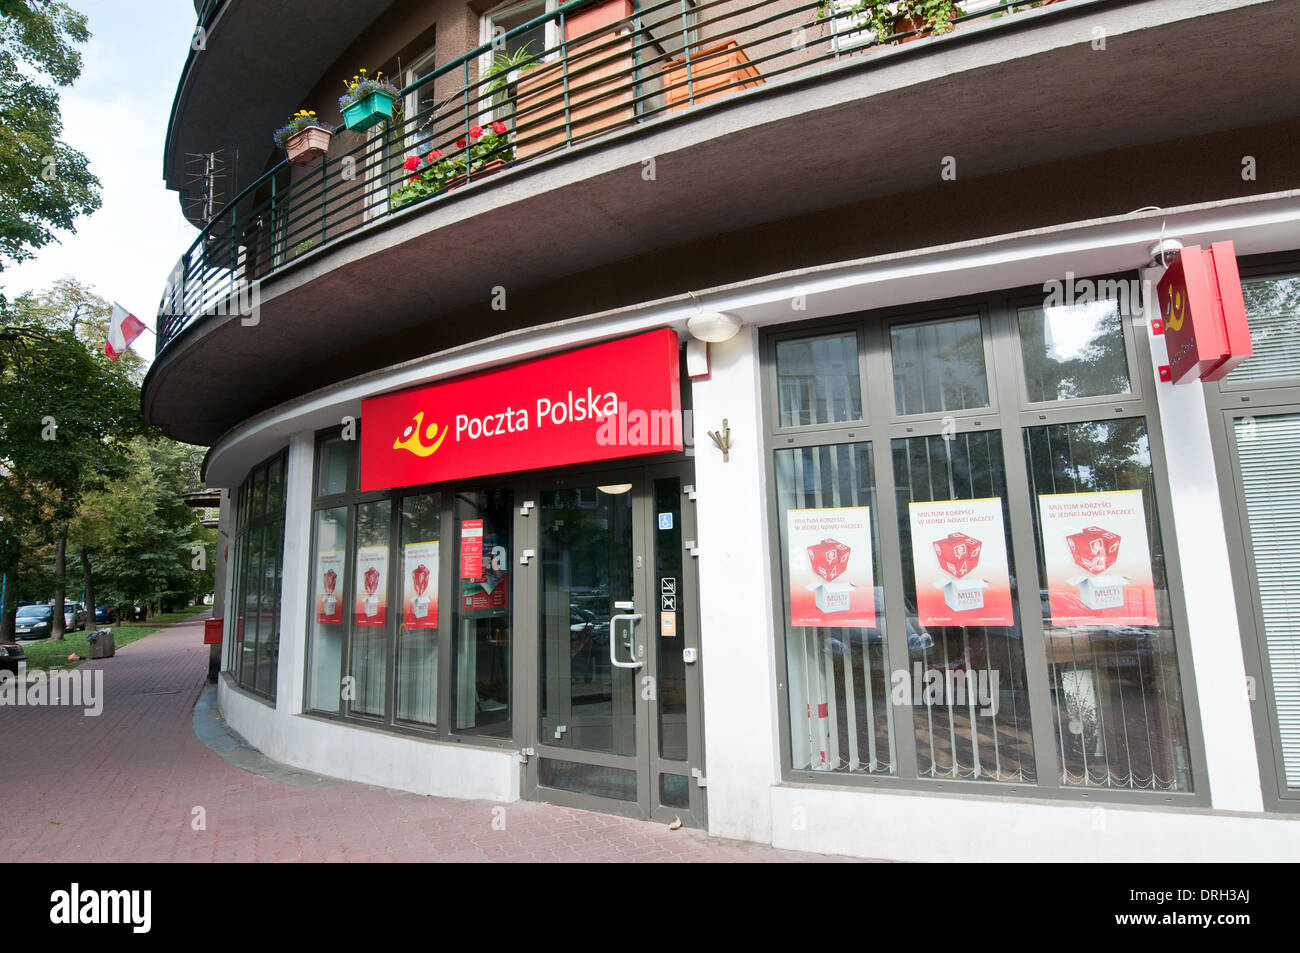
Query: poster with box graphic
[959, 559]
[372, 584]
[832, 581]
[329, 577]
[489, 586]
[1098, 560]
[420, 585]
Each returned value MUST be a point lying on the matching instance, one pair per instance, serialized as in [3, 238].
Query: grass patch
[53, 656]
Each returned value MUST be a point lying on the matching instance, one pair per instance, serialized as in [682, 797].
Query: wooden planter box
[713, 70]
[496, 165]
[308, 144]
[601, 71]
[596, 17]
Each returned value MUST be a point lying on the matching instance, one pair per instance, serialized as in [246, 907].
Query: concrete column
[1213, 631]
[297, 572]
[737, 645]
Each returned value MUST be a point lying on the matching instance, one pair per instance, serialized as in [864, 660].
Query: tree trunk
[7, 622]
[57, 625]
[89, 578]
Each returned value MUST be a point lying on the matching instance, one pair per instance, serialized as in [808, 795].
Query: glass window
[1112, 662]
[939, 366]
[969, 695]
[370, 608]
[1273, 308]
[417, 639]
[817, 380]
[268, 644]
[1073, 351]
[258, 566]
[481, 688]
[836, 659]
[335, 457]
[329, 602]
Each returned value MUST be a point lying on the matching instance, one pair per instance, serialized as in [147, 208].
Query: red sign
[604, 402]
[212, 631]
[1204, 314]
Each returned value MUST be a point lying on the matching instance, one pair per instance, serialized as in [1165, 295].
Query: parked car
[105, 615]
[33, 622]
[74, 617]
[11, 656]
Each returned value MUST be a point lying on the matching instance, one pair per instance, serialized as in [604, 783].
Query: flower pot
[308, 143]
[596, 17]
[714, 71]
[496, 165]
[369, 111]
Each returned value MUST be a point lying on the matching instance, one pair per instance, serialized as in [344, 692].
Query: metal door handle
[632, 619]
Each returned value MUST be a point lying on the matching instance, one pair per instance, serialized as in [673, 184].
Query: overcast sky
[116, 115]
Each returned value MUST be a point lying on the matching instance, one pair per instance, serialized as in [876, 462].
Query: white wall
[737, 650]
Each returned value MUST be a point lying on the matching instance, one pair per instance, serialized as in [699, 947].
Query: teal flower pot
[369, 111]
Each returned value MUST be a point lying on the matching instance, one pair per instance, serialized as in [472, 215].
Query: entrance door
[616, 646]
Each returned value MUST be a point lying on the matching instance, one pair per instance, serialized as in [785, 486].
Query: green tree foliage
[44, 183]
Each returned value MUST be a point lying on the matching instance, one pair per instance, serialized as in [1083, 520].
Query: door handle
[632, 618]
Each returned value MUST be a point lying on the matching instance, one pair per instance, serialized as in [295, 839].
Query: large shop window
[409, 630]
[1255, 420]
[973, 580]
[259, 565]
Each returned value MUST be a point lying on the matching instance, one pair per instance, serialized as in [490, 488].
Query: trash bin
[102, 644]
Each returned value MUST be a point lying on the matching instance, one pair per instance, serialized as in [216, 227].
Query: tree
[44, 183]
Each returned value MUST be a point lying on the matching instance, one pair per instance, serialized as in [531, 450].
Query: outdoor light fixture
[615, 489]
[1163, 250]
[713, 326]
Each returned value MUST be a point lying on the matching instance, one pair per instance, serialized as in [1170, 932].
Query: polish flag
[124, 328]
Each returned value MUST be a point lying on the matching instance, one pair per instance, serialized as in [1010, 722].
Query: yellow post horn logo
[410, 438]
[1176, 312]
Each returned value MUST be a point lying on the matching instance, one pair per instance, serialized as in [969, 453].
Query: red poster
[372, 585]
[612, 400]
[420, 585]
[471, 549]
[329, 587]
[959, 558]
[832, 580]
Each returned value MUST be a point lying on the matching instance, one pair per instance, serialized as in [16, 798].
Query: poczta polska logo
[414, 441]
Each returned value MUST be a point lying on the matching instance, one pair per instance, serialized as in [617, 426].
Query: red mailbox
[212, 632]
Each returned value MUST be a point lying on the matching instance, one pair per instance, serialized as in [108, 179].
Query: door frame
[648, 763]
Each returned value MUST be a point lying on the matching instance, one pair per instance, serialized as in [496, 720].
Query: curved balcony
[654, 131]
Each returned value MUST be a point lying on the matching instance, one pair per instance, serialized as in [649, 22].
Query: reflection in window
[1073, 351]
[480, 678]
[371, 616]
[1116, 696]
[329, 603]
[417, 639]
[939, 366]
[1273, 308]
[258, 568]
[840, 713]
[972, 718]
[817, 380]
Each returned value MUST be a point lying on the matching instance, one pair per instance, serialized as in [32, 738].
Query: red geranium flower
[499, 127]
[434, 156]
[411, 164]
[475, 132]
[460, 143]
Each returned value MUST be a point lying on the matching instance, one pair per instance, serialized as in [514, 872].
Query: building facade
[752, 415]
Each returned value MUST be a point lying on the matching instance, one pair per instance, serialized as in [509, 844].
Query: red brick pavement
[122, 787]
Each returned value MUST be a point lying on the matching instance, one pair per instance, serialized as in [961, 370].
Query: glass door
[616, 645]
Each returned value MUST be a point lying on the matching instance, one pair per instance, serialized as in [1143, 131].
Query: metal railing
[666, 57]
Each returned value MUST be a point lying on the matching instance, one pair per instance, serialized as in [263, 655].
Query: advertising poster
[832, 582]
[959, 557]
[1098, 560]
[489, 587]
[420, 585]
[329, 579]
[471, 549]
[372, 584]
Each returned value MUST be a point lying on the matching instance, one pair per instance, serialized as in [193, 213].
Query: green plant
[433, 173]
[363, 85]
[305, 246]
[300, 120]
[882, 17]
[497, 75]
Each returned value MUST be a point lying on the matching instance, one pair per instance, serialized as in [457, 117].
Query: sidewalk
[125, 786]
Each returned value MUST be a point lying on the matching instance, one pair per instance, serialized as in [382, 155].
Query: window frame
[1010, 412]
[246, 521]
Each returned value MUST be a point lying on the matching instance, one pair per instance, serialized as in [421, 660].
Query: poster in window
[329, 580]
[1097, 558]
[420, 585]
[489, 587]
[372, 585]
[471, 549]
[832, 580]
[959, 559]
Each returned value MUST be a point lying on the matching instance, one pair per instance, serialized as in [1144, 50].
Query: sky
[116, 115]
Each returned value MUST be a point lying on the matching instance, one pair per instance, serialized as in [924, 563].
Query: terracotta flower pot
[308, 143]
[496, 165]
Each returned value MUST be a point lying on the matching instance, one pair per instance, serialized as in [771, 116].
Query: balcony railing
[509, 110]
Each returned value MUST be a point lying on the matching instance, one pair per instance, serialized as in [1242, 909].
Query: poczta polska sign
[609, 401]
[1204, 314]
